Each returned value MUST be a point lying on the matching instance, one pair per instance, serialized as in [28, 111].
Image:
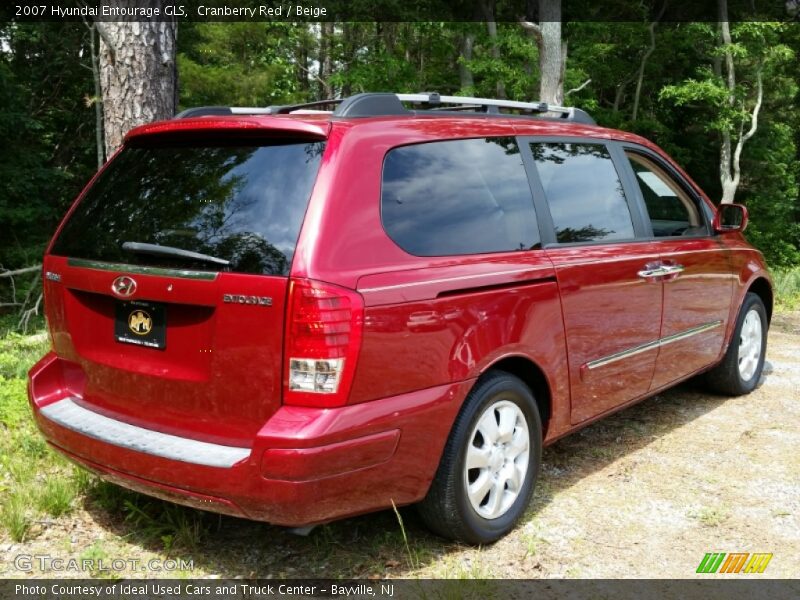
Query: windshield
[243, 204]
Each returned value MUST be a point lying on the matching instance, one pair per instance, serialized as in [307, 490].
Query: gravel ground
[644, 493]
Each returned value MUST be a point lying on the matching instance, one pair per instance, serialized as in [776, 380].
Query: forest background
[722, 98]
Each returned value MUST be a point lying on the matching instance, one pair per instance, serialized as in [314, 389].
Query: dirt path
[644, 493]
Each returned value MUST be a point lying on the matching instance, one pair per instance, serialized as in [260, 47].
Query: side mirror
[730, 217]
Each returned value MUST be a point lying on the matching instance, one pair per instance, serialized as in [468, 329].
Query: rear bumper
[305, 465]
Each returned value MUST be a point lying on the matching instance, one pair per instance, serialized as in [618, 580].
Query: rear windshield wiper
[158, 250]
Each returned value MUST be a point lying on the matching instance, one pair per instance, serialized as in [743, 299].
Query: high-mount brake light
[323, 338]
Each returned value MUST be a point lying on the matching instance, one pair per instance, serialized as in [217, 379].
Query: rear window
[458, 197]
[243, 204]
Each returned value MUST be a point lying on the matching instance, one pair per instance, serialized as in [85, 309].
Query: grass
[710, 516]
[173, 526]
[15, 515]
[57, 496]
[787, 289]
[36, 483]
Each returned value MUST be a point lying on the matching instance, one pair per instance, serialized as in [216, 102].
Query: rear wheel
[740, 369]
[489, 465]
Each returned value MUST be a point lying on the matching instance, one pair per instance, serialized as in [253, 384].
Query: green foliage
[12, 410]
[787, 288]
[15, 516]
[241, 64]
[171, 525]
[33, 480]
[47, 121]
[56, 496]
[47, 132]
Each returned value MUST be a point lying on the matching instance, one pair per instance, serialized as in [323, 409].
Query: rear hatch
[167, 283]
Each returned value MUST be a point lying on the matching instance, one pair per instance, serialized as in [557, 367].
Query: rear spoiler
[260, 125]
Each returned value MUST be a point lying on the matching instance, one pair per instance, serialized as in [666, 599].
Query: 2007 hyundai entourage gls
[294, 314]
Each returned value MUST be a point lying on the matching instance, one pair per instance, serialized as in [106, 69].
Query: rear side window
[458, 197]
[240, 203]
[584, 192]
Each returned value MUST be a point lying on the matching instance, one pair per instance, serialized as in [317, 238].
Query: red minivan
[294, 314]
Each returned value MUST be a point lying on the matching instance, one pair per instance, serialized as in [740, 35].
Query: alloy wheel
[497, 459]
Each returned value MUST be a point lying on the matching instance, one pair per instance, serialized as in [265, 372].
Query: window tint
[242, 203]
[671, 210]
[584, 192]
[458, 197]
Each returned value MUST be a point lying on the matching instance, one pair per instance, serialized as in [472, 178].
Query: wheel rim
[750, 342]
[497, 459]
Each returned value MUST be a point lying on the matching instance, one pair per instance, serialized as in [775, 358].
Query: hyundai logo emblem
[124, 286]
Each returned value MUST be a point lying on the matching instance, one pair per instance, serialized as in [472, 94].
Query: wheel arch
[531, 375]
[761, 287]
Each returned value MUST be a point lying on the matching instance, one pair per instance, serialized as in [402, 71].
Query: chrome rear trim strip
[676, 337]
[139, 269]
[71, 415]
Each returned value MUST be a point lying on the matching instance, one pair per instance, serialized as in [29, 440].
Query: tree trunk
[325, 59]
[301, 60]
[552, 53]
[730, 172]
[640, 79]
[349, 32]
[98, 102]
[488, 8]
[464, 72]
[551, 86]
[138, 75]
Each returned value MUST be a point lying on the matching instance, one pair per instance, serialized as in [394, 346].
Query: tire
[510, 470]
[741, 367]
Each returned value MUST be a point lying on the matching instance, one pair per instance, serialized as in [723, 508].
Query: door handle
[651, 271]
[675, 269]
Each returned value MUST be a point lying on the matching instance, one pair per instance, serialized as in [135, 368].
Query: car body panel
[698, 296]
[600, 285]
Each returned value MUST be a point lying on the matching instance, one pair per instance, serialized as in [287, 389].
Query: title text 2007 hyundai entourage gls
[295, 315]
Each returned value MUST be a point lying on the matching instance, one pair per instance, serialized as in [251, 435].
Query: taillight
[323, 337]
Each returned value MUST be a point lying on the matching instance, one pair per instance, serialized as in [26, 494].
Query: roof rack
[388, 104]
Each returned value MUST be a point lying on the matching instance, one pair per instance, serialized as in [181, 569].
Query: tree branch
[28, 314]
[532, 27]
[737, 153]
[314, 76]
[579, 88]
[652, 31]
[20, 271]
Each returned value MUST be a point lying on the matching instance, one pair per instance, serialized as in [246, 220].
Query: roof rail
[377, 104]
[372, 104]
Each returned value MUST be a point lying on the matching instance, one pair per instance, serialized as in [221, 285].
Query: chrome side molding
[664, 341]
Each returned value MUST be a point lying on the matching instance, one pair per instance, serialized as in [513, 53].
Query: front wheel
[740, 369]
[489, 465]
